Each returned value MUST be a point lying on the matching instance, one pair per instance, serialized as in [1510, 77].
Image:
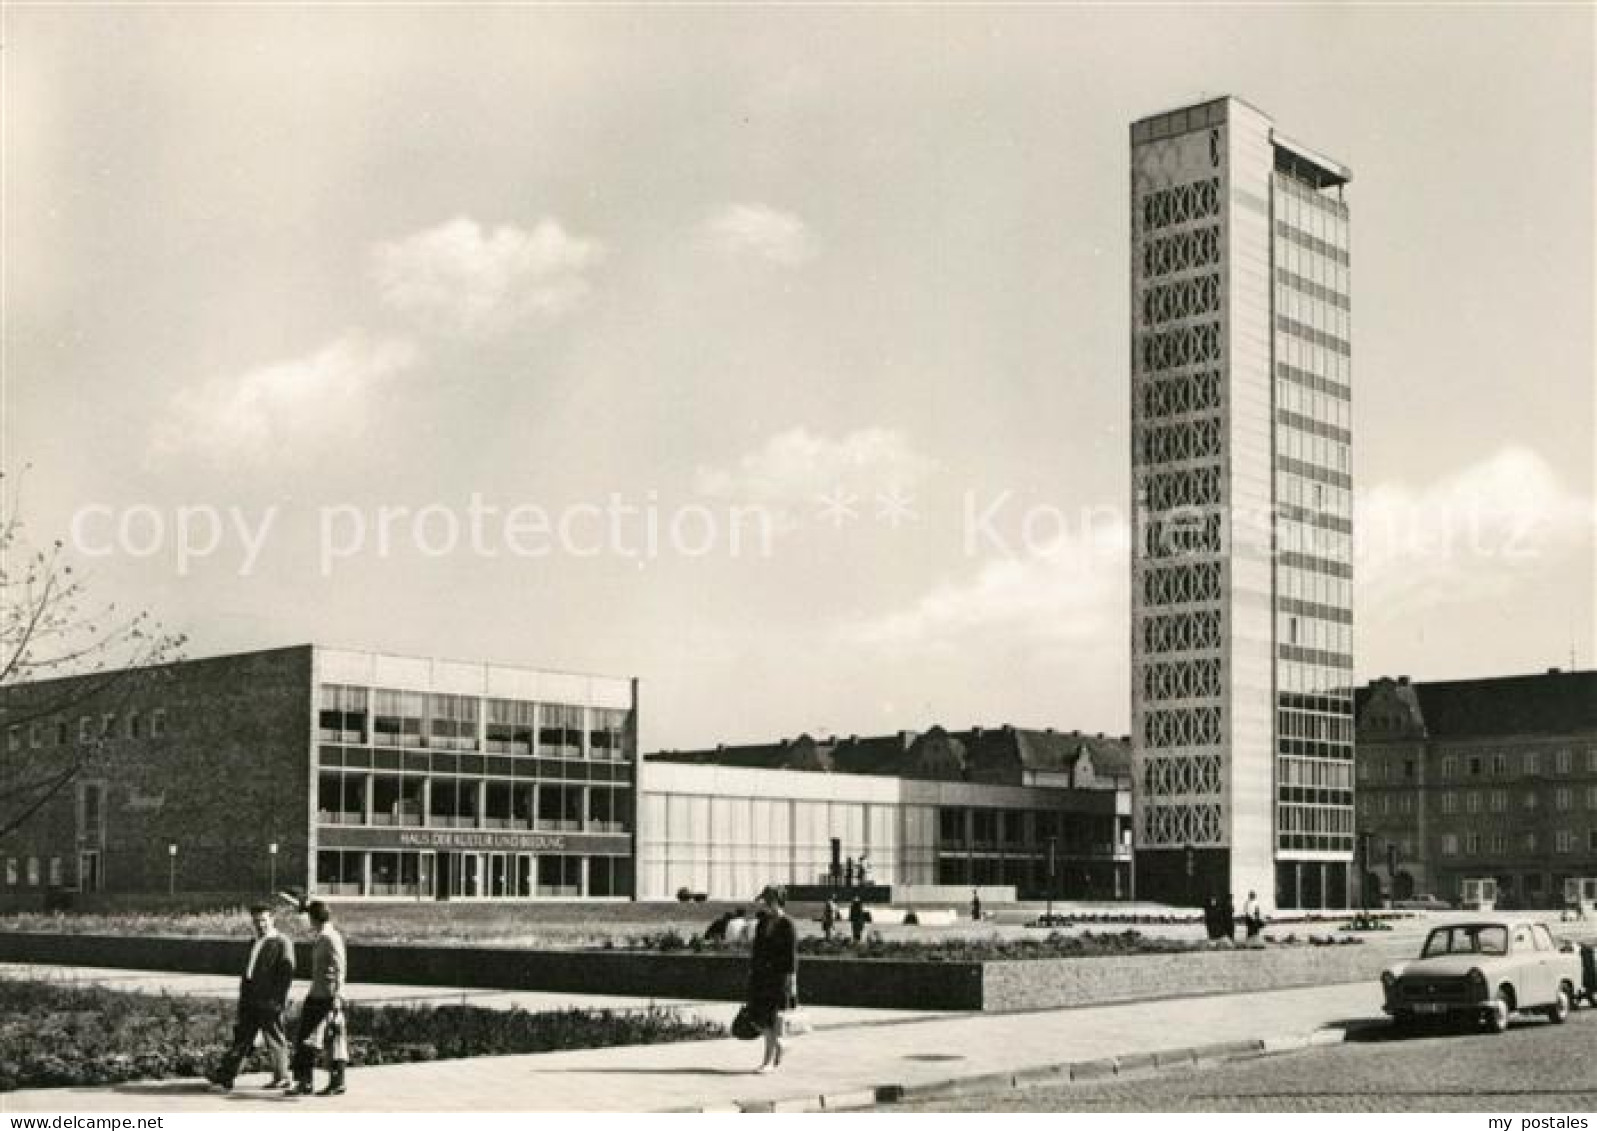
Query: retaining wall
[984, 986]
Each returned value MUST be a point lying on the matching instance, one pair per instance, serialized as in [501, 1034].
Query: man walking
[262, 995]
[321, 1021]
[856, 917]
[1252, 915]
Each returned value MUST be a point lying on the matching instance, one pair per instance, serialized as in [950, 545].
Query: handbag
[794, 1021]
[743, 1026]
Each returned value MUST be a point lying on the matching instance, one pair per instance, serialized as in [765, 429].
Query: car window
[1472, 939]
[1544, 938]
[1522, 939]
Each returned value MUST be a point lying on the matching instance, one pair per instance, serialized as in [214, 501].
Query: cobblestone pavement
[1534, 1067]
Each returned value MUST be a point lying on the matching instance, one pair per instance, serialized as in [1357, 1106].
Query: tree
[52, 629]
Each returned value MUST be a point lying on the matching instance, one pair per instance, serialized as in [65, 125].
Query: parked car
[1421, 903]
[1483, 971]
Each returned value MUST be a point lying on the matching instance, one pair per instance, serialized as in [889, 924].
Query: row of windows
[1331, 369]
[1334, 820]
[1188, 487]
[1313, 562]
[1181, 584]
[415, 720]
[981, 827]
[1321, 727]
[1317, 291]
[1306, 685]
[543, 766]
[1294, 234]
[1300, 493]
[1314, 633]
[471, 875]
[395, 801]
[1563, 840]
[1561, 761]
[25, 871]
[1192, 679]
[1198, 439]
[1337, 343]
[1181, 204]
[1183, 298]
[1289, 419]
[1181, 251]
[131, 724]
[1301, 538]
[1500, 763]
[1313, 381]
[1182, 632]
[1189, 345]
[1298, 192]
[1476, 801]
[1311, 318]
[1183, 535]
[1192, 726]
[1179, 394]
[1316, 404]
[1314, 774]
[1314, 587]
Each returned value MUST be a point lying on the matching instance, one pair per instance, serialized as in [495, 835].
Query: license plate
[1430, 1007]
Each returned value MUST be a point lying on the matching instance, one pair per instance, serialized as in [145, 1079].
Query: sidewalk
[846, 1064]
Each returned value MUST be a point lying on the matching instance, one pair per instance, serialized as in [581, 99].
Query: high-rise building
[1242, 607]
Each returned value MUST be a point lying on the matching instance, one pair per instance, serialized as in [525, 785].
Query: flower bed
[54, 1035]
[992, 948]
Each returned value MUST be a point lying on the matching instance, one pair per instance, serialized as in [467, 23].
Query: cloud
[796, 467]
[759, 229]
[460, 278]
[1070, 592]
[323, 395]
[1475, 534]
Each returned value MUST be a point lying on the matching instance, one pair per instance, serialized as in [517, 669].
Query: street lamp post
[171, 869]
[271, 855]
[1053, 850]
[1190, 869]
[1364, 870]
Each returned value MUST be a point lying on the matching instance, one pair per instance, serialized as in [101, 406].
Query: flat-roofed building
[976, 808]
[350, 774]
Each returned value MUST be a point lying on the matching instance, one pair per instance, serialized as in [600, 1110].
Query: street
[1535, 1066]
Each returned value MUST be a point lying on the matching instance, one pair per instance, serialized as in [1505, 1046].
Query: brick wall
[229, 776]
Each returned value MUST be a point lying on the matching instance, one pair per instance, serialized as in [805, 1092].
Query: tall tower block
[1242, 578]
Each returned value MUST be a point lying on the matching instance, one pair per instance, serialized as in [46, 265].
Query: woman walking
[773, 973]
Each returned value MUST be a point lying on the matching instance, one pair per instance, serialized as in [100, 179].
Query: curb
[1138, 1065]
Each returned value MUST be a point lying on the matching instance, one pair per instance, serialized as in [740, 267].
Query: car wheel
[1558, 1012]
[1496, 1016]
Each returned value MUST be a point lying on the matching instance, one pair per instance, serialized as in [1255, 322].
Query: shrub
[55, 1035]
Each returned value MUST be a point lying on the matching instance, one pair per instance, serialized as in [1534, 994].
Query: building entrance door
[88, 871]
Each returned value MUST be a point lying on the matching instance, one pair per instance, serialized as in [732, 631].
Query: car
[1484, 970]
[1421, 903]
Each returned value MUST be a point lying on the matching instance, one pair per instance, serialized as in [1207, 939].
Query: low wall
[721, 977]
[989, 986]
[1052, 982]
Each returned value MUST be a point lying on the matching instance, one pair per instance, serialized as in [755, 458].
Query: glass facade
[432, 795]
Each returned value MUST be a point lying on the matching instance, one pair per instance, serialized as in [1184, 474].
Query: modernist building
[1242, 669]
[1479, 779]
[933, 809]
[345, 773]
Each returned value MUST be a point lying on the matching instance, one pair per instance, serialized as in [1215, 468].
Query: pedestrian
[1228, 918]
[848, 873]
[773, 974]
[321, 1018]
[1211, 918]
[856, 917]
[262, 996]
[1253, 915]
[975, 905]
[828, 918]
[864, 870]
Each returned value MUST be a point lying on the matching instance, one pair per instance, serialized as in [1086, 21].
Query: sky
[776, 357]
